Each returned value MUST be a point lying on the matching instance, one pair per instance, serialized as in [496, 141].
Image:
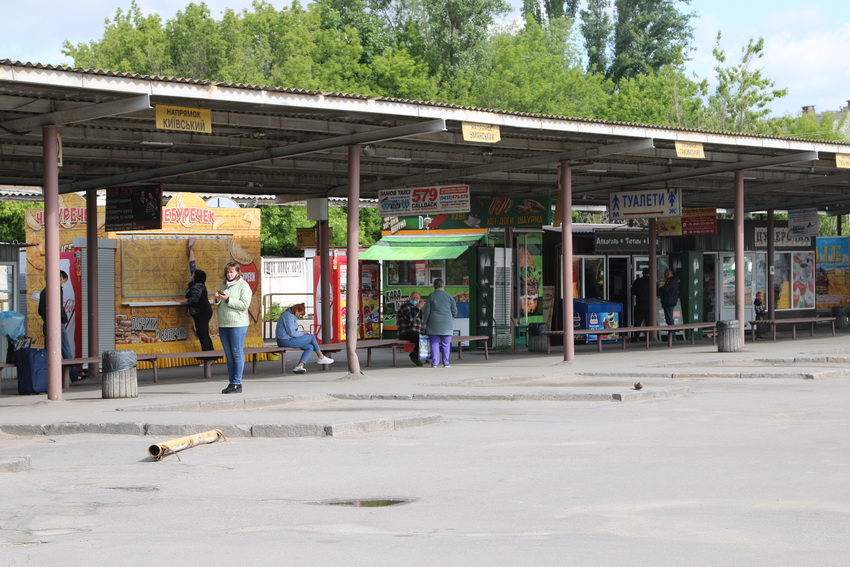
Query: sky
[805, 43]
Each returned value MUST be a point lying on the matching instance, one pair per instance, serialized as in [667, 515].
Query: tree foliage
[278, 236]
[12, 219]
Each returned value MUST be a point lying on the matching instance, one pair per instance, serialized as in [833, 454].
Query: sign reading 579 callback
[424, 201]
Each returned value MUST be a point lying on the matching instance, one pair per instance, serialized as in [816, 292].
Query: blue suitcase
[32, 370]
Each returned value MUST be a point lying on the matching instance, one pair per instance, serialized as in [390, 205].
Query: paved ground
[721, 459]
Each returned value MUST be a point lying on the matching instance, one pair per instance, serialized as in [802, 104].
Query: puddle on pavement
[368, 503]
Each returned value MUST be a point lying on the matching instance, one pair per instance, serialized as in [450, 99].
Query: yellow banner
[183, 119]
[691, 150]
[487, 133]
[842, 160]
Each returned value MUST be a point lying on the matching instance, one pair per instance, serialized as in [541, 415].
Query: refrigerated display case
[365, 302]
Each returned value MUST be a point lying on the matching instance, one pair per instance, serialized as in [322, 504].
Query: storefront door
[727, 286]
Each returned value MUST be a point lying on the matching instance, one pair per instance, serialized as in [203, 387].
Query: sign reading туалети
[423, 201]
[656, 203]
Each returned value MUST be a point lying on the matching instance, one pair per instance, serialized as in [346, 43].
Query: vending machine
[364, 303]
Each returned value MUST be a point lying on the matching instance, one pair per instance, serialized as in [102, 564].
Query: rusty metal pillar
[740, 280]
[352, 280]
[769, 294]
[53, 338]
[653, 274]
[567, 258]
[325, 280]
[93, 307]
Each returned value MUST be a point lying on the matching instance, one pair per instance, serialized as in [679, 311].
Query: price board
[134, 208]
[424, 201]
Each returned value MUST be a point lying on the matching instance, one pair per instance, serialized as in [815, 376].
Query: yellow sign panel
[842, 160]
[307, 238]
[487, 133]
[692, 150]
[184, 119]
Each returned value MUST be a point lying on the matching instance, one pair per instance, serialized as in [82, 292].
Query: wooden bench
[774, 323]
[368, 344]
[647, 330]
[66, 367]
[208, 357]
[471, 339]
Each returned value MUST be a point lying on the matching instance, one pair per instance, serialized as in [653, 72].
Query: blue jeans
[66, 349]
[440, 343]
[233, 341]
[306, 342]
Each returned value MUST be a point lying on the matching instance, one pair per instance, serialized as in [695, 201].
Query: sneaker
[326, 360]
[232, 389]
[299, 369]
[447, 366]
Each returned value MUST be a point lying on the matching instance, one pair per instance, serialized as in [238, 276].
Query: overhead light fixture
[156, 145]
[597, 171]
[394, 158]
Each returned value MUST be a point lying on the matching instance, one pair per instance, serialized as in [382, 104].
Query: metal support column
[653, 274]
[53, 338]
[769, 295]
[352, 281]
[93, 307]
[740, 280]
[567, 258]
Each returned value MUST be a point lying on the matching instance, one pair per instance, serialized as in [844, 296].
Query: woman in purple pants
[440, 311]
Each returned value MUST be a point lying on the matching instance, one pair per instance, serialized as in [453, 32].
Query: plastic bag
[424, 347]
[13, 324]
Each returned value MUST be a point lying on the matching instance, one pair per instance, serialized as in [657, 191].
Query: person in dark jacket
[197, 300]
[409, 321]
[42, 311]
[669, 293]
[640, 289]
[761, 312]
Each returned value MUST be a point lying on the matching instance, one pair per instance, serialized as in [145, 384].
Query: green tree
[742, 94]
[648, 35]
[12, 220]
[666, 97]
[537, 69]
[596, 27]
[546, 10]
[131, 43]
[278, 236]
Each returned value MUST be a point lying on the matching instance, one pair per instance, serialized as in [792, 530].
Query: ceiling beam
[699, 172]
[522, 163]
[21, 126]
[371, 136]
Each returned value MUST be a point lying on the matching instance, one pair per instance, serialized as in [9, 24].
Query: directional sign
[656, 203]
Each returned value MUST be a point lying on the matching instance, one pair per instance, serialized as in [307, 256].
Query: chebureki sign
[152, 266]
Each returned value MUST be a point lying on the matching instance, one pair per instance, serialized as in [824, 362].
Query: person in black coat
[42, 311]
[197, 300]
[640, 289]
[669, 294]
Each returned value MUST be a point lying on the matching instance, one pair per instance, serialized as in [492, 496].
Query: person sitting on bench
[288, 335]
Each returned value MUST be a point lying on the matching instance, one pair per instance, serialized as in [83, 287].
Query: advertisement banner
[151, 270]
[497, 212]
[424, 201]
[832, 271]
[803, 222]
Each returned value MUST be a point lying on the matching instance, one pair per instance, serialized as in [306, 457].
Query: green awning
[425, 247]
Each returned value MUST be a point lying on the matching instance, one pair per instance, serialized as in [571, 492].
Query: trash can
[729, 336]
[840, 314]
[119, 374]
[537, 341]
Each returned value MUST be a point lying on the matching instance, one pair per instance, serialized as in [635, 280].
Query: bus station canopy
[421, 247]
[294, 144]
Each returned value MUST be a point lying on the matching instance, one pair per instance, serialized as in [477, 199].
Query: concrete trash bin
[729, 336]
[119, 374]
[840, 314]
[537, 341]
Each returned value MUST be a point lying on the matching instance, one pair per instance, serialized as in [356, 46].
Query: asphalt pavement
[718, 459]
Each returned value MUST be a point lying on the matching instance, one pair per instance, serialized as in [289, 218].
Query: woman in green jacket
[232, 300]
